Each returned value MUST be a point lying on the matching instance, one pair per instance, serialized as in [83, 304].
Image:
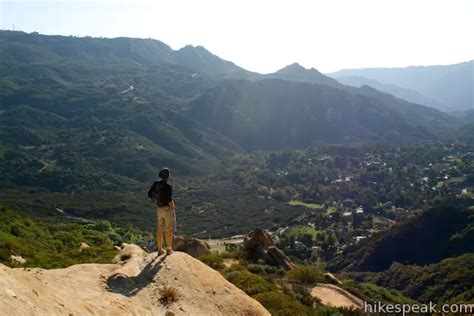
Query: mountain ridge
[450, 85]
[296, 72]
[402, 93]
[159, 78]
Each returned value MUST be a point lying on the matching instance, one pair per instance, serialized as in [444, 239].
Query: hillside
[411, 104]
[450, 280]
[139, 83]
[56, 243]
[135, 287]
[441, 232]
[450, 85]
[467, 132]
[20, 47]
[275, 114]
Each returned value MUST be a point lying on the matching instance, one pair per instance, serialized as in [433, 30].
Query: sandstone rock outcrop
[195, 247]
[334, 296]
[129, 288]
[330, 278]
[83, 246]
[278, 258]
[258, 238]
[259, 245]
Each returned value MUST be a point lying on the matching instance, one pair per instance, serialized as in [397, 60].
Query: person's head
[164, 174]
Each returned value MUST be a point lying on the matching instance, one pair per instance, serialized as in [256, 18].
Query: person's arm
[169, 198]
[150, 192]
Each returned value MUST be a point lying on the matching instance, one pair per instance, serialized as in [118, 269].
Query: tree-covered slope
[428, 238]
[275, 114]
[450, 280]
[467, 132]
[49, 244]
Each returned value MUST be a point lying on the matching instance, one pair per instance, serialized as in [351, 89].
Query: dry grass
[168, 294]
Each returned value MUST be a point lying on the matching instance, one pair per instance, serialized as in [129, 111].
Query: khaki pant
[166, 217]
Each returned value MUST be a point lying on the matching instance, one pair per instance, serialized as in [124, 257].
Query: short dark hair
[164, 173]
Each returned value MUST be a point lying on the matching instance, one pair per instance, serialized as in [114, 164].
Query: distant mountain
[201, 59]
[469, 115]
[176, 99]
[466, 115]
[434, 235]
[23, 47]
[275, 114]
[370, 88]
[452, 85]
[298, 73]
[399, 92]
[100, 98]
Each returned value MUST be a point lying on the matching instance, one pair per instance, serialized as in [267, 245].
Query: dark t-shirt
[161, 191]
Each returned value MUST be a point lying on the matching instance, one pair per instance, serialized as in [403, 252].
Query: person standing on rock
[160, 194]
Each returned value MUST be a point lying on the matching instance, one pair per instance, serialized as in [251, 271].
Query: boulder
[259, 245]
[258, 238]
[278, 258]
[83, 246]
[127, 252]
[330, 278]
[334, 296]
[192, 246]
[17, 259]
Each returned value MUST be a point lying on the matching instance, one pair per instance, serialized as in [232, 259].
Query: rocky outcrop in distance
[259, 245]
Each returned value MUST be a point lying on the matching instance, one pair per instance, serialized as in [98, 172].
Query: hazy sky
[264, 36]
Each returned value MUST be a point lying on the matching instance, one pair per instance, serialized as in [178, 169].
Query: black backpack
[155, 192]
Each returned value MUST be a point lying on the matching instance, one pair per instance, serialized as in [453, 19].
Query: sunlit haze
[264, 36]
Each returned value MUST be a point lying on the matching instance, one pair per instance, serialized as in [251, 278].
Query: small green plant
[249, 283]
[233, 267]
[373, 293]
[278, 303]
[305, 274]
[213, 260]
[256, 268]
[301, 293]
[168, 294]
[230, 254]
[263, 269]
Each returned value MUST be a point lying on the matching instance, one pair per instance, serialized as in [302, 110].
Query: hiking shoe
[169, 251]
[160, 252]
